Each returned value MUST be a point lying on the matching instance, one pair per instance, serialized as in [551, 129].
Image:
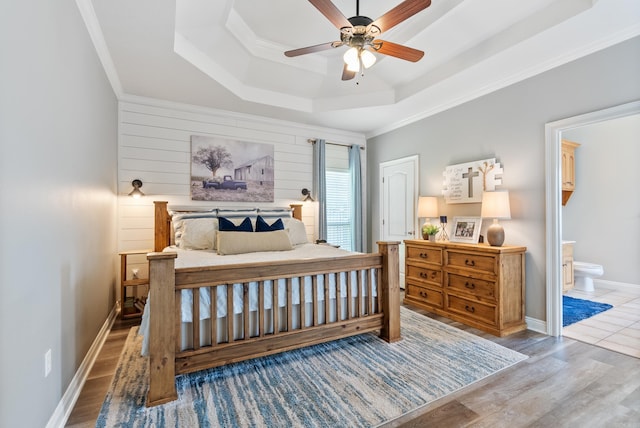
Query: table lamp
[427, 209]
[495, 205]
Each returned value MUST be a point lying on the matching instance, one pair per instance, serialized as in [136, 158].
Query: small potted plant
[429, 232]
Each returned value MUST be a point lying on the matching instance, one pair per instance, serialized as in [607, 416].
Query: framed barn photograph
[224, 169]
[466, 229]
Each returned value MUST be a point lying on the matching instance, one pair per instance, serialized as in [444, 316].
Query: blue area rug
[574, 310]
[360, 381]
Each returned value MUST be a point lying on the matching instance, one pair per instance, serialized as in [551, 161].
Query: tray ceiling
[228, 54]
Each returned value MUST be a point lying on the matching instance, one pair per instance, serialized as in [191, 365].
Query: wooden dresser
[479, 285]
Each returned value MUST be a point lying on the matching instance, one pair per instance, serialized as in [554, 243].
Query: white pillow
[178, 221]
[197, 234]
[275, 213]
[251, 242]
[297, 231]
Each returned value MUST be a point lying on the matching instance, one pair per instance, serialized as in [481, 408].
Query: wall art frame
[230, 170]
[464, 183]
[466, 230]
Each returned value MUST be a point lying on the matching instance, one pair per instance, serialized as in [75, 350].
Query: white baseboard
[536, 325]
[615, 284]
[65, 406]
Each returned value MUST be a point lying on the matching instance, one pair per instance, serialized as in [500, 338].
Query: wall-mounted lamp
[495, 205]
[136, 192]
[307, 195]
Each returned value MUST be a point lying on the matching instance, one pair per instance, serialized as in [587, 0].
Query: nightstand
[133, 290]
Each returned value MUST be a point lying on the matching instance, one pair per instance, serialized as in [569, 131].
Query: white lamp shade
[351, 59]
[427, 207]
[368, 58]
[496, 205]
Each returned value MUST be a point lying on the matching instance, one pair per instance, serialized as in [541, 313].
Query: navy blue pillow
[226, 225]
[263, 226]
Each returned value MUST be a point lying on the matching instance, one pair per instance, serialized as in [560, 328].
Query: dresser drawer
[423, 294]
[477, 262]
[428, 255]
[424, 274]
[478, 287]
[472, 309]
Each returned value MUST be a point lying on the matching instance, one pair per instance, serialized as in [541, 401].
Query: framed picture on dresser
[466, 229]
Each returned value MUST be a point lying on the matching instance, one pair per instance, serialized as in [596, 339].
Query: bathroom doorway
[554, 133]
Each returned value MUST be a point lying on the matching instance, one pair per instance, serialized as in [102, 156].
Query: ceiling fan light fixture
[351, 59]
[368, 58]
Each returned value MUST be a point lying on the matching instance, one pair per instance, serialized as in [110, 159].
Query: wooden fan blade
[346, 74]
[398, 51]
[404, 10]
[310, 49]
[331, 12]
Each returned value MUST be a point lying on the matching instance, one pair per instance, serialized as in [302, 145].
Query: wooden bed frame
[166, 360]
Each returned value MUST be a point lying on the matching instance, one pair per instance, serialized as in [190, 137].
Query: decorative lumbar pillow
[226, 225]
[263, 226]
[241, 243]
[198, 234]
[297, 231]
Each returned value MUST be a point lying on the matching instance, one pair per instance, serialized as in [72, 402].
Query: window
[339, 200]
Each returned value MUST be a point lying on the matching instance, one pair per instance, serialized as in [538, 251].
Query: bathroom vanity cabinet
[568, 169]
[478, 285]
[567, 266]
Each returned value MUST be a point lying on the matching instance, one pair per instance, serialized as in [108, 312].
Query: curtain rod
[313, 141]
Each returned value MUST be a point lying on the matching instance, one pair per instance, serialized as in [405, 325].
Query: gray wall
[58, 170]
[509, 125]
[603, 214]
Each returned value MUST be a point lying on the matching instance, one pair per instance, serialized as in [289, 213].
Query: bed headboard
[162, 223]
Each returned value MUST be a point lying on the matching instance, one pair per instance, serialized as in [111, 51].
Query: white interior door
[398, 196]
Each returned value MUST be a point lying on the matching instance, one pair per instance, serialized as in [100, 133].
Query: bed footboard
[375, 306]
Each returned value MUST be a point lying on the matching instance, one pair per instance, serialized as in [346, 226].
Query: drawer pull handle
[469, 262]
[434, 275]
[423, 294]
[423, 275]
[470, 285]
[424, 255]
[470, 308]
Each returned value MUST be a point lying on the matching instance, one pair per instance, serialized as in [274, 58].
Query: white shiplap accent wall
[154, 145]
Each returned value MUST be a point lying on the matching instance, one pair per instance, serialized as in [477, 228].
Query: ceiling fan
[360, 32]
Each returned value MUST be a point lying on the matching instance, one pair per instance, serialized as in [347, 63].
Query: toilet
[584, 273]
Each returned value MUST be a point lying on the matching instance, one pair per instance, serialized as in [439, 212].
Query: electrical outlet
[47, 363]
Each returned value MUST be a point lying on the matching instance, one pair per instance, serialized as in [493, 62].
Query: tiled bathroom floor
[618, 328]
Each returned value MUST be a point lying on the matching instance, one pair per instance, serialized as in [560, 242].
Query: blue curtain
[356, 189]
[320, 185]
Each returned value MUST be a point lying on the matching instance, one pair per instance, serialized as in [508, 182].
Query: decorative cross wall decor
[465, 182]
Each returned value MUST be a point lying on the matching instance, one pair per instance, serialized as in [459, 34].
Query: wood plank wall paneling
[154, 145]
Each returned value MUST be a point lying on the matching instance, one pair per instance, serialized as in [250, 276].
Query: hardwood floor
[564, 383]
[87, 408]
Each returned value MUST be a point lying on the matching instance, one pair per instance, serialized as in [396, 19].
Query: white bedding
[191, 258]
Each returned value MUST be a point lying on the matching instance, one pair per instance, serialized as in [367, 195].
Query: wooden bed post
[390, 289]
[162, 329]
[297, 211]
[162, 222]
